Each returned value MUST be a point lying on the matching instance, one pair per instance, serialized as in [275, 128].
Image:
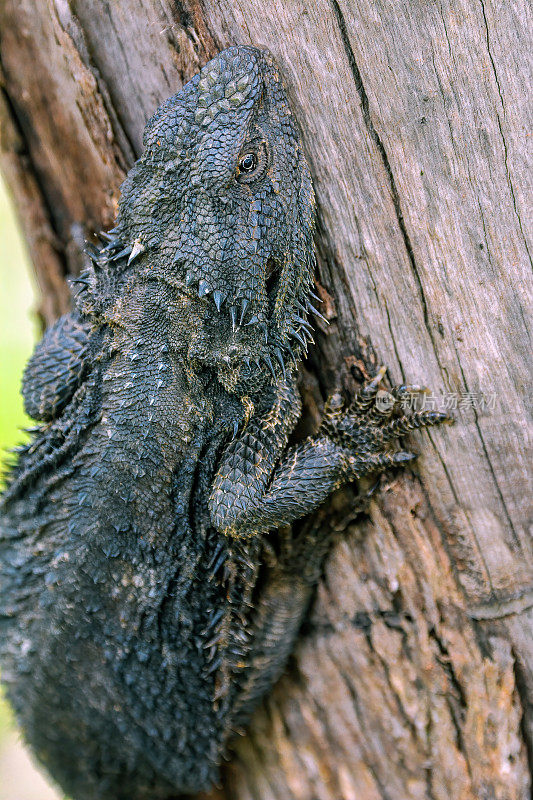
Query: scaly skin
[142, 613]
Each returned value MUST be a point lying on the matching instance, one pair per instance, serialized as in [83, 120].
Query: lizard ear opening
[272, 275]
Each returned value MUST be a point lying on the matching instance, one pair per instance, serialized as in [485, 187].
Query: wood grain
[414, 675]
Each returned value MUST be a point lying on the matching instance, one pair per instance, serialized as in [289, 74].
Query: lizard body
[140, 619]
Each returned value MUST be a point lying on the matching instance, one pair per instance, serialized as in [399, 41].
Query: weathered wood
[414, 676]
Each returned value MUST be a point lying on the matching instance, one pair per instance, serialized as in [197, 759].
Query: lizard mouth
[244, 345]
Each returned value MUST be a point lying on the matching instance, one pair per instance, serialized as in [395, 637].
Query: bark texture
[413, 678]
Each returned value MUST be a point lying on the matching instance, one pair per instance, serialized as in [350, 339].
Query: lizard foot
[366, 428]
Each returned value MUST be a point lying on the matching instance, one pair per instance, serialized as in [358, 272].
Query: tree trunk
[413, 677]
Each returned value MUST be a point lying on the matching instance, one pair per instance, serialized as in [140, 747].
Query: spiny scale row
[299, 327]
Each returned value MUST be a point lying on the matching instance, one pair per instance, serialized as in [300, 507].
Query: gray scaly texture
[143, 612]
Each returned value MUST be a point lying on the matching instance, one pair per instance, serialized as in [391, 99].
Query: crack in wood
[395, 196]
[504, 607]
[505, 151]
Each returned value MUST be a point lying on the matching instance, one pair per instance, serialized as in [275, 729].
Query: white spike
[136, 250]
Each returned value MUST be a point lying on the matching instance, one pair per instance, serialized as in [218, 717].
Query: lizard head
[221, 206]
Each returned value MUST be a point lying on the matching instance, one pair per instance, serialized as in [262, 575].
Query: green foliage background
[18, 326]
[18, 330]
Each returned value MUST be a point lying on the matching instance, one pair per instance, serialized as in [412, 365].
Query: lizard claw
[372, 420]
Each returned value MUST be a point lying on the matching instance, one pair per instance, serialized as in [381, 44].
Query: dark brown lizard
[144, 610]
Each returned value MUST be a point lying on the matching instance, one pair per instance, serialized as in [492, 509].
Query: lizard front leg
[56, 368]
[262, 484]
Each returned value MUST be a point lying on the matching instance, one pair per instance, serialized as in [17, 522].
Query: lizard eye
[248, 162]
[252, 164]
